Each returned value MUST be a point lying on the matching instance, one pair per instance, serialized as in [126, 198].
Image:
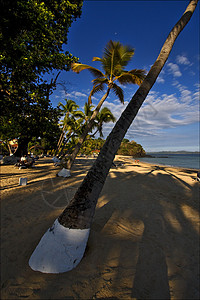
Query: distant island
[174, 152]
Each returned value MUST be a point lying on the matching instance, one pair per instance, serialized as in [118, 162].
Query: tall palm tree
[75, 221]
[69, 111]
[104, 116]
[77, 126]
[115, 58]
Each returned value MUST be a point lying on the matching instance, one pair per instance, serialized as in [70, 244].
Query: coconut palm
[69, 110]
[73, 131]
[115, 58]
[77, 126]
[75, 221]
[104, 116]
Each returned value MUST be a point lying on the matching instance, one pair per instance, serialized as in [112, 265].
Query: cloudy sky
[169, 117]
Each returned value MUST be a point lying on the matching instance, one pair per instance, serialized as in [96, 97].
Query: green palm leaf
[105, 115]
[88, 109]
[78, 114]
[139, 73]
[134, 76]
[118, 92]
[125, 54]
[97, 59]
[100, 80]
[116, 57]
[80, 67]
[96, 88]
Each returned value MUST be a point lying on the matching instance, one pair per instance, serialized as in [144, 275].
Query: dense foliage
[115, 58]
[131, 148]
[74, 124]
[93, 146]
[32, 35]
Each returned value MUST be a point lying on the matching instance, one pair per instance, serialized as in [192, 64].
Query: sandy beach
[144, 240]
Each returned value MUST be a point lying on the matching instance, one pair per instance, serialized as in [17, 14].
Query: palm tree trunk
[62, 149]
[87, 129]
[60, 140]
[77, 217]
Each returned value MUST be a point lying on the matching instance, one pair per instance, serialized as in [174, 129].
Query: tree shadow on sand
[143, 242]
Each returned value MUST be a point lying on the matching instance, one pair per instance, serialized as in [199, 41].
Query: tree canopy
[32, 35]
[131, 148]
[115, 58]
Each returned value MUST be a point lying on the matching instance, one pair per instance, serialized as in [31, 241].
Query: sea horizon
[183, 159]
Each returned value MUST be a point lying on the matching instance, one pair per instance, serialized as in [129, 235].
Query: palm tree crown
[104, 116]
[115, 58]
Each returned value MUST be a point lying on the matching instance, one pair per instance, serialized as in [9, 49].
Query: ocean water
[173, 159]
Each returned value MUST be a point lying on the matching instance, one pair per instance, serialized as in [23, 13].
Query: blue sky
[168, 119]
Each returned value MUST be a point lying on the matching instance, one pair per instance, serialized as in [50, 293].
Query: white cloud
[174, 69]
[159, 112]
[78, 94]
[182, 60]
[160, 79]
[74, 95]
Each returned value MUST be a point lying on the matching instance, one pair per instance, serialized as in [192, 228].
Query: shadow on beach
[143, 243]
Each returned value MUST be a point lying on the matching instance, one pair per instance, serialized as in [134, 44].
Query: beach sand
[144, 240]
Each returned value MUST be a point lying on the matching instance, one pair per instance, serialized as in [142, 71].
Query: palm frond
[97, 59]
[61, 105]
[139, 73]
[105, 115]
[88, 109]
[96, 88]
[76, 67]
[118, 92]
[115, 57]
[78, 114]
[134, 76]
[100, 80]
[126, 53]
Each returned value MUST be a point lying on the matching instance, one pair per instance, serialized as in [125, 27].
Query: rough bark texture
[87, 129]
[80, 211]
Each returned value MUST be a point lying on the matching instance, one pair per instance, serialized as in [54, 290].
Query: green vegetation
[115, 58]
[93, 146]
[131, 148]
[75, 122]
[32, 34]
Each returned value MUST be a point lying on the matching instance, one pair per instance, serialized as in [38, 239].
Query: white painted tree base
[59, 250]
[64, 173]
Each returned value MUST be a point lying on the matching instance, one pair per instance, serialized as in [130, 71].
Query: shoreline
[160, 165]
[145, 218]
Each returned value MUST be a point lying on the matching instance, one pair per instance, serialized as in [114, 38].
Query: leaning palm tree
[69, 233]
[115, 58]
[77, 126]
[104, 116]
[69, 110]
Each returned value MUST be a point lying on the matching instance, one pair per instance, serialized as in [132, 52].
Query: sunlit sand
[143, 242]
